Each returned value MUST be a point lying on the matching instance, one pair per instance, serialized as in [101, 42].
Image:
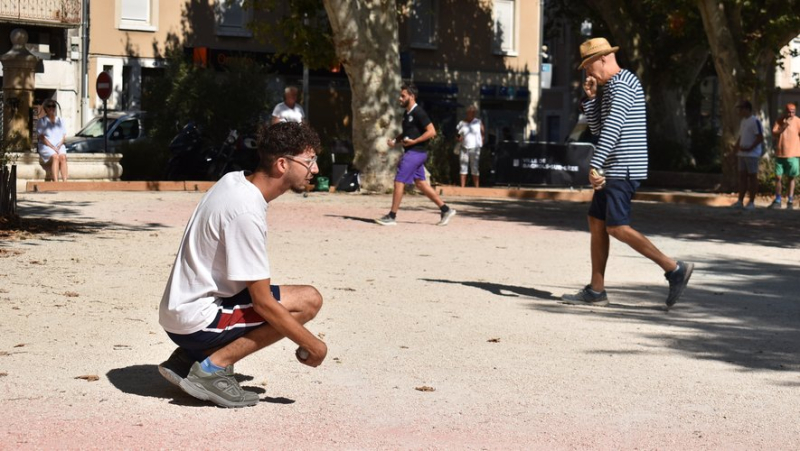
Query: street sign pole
[105, 127]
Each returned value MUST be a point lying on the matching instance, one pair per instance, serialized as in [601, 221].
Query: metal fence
[53, 12]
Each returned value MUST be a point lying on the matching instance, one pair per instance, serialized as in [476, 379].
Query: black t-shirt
[414, 124]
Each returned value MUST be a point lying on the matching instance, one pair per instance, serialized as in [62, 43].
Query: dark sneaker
[219, 387]
[386, 221]
[177, 366]
[678, 279]
[775, 205]
[790, 206]
[586, 297]
[446, 216]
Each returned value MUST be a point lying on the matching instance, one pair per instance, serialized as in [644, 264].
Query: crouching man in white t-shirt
[219, 305]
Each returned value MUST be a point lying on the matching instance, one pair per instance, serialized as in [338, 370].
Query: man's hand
[596, 179]
[590, 87]
[316, 354]
[391, 142]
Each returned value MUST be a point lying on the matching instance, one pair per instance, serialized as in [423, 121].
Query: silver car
[122, 128]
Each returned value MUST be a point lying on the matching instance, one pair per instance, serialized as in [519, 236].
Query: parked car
[122, 128]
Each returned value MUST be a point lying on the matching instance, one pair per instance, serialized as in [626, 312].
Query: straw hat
[595, 47]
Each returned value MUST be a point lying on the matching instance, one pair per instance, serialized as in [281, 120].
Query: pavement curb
[559, 194]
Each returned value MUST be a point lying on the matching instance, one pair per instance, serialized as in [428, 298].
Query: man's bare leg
[476, 180]
[428, 191]
[397, 195]
[463, 180]
[642, 245]
[600, 245]
[302, 301]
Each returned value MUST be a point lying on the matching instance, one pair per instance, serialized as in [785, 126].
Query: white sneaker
[750, 207]
[738, 205]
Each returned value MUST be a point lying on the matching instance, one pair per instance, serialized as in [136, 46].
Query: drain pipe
[85, 110]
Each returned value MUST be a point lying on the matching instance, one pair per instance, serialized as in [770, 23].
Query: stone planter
[82, 167]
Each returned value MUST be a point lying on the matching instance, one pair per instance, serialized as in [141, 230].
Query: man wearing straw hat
[618, 166]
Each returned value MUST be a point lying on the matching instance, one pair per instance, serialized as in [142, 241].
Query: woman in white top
[470, 135]
[52, 133]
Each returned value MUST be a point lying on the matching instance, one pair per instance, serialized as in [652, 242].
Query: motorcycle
[237, 153]
[195, 158]
[188, 149]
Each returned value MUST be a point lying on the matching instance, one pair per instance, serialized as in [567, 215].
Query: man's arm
[284, 323]
[430, 133]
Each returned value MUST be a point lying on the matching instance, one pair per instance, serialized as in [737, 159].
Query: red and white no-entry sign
[104, 85]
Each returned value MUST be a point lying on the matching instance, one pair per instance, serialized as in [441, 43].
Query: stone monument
[19, 66]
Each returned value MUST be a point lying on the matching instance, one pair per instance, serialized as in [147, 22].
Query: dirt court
[439, 337]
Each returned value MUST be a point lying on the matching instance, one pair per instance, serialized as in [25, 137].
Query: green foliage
[301, 28]
[442, 162]
[218, 101]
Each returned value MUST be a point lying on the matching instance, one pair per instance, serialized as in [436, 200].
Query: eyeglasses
[308, 163]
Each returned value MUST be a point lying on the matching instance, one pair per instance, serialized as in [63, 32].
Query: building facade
[54, 35]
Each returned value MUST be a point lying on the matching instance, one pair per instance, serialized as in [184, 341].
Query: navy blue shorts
[235, 317]
[612, 204]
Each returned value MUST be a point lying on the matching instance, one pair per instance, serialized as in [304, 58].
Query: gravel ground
[439, 337]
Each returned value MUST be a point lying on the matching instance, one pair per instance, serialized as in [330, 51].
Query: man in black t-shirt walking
[417, 130]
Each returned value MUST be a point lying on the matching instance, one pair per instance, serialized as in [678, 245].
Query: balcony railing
[62, 13]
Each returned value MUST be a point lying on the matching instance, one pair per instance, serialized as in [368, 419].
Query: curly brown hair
[285, 138]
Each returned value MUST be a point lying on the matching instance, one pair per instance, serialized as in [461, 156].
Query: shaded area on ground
[717, 224]
[38, 218]
[501, 289]
[741, 312]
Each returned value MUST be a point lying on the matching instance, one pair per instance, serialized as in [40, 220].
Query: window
[232, 18]
[138, 15]
[505, 27]
[422, 23]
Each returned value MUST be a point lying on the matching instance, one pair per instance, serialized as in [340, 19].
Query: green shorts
[788, 166]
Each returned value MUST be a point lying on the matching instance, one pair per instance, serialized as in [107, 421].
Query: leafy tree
[217, 101]
[362, 36]
[745, 38]
[663, 43]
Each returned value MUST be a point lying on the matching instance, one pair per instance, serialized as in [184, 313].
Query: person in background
[471, 134]
[52, 134]
[749, 150]
[288, 110]
[786, 133]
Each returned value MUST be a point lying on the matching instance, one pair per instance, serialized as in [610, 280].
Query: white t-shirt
[749, 129]
[224, 246]
[286, 114]
[471, 131]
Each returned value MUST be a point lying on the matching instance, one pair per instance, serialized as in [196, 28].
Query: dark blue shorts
[235, 317]
[612, 204]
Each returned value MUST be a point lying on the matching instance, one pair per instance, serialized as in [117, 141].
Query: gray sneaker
[386, 221]
[586, 297]
[775, 205]
[678, 279]
[177, 366]
[219, 387]
[446, 216]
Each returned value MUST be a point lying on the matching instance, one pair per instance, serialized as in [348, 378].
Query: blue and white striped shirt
[620, 120]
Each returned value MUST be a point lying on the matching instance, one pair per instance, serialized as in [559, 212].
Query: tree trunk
[729, 73]
[365, 34]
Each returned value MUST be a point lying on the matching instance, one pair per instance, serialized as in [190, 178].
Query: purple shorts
[411, 167]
